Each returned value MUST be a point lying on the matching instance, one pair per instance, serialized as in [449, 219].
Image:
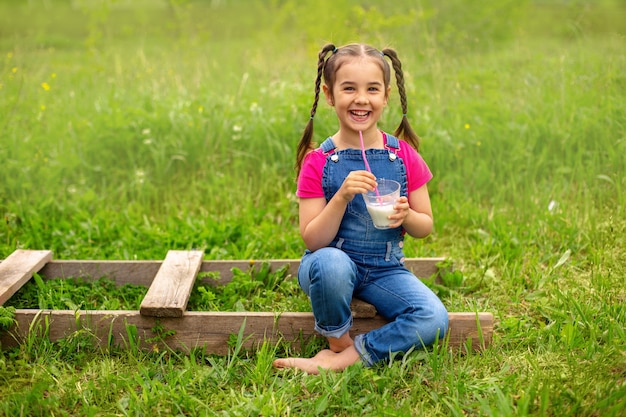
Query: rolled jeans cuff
[359, 345]
[335, 332]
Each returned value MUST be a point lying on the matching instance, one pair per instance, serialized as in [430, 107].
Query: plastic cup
[380, 204]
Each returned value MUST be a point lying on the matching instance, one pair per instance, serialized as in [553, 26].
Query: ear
[329, 95]
[387, 96]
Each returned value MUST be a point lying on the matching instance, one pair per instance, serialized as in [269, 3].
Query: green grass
[77, 294]
[127, 131]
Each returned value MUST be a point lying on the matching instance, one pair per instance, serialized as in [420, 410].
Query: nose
[361, 97]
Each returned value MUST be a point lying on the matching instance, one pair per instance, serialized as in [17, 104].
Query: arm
[415, 213]
[319, 221]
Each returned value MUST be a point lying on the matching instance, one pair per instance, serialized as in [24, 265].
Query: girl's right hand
[320, 220]
[357, 182]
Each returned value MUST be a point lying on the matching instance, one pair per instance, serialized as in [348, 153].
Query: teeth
[360, 113]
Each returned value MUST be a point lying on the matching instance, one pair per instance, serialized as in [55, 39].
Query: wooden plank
[122, 272]
[18, 268]
[211, 331]
[143, 272]
[170, 290]
[361, 309]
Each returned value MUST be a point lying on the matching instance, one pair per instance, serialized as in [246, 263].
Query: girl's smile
[359, 115]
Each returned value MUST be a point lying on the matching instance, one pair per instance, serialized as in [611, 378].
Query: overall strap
[393, 145]
[392, 142]
[328, 145]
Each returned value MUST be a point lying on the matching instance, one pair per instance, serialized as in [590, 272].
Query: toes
[283, 363]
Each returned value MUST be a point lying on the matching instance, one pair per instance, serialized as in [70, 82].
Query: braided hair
[327, 67]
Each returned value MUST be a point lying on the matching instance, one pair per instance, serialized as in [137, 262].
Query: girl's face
[358, 95]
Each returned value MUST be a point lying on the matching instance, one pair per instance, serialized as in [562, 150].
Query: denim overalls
[368, 263]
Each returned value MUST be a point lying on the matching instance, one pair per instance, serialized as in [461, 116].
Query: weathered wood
[143, 272]
[361, 309]
[170, 282]
[122, 272]
[170, 290]
[212, 331]
[18, 268]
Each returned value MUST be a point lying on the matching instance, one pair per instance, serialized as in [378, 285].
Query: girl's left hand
[402, 210]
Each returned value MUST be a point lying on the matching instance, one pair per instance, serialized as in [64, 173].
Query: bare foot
[339, 344]
[325, 359]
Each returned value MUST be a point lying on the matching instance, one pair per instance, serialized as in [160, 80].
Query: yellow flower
[467, 126]
[14, 70]
[45, 86]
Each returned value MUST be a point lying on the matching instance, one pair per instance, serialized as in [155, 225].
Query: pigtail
[304, 146]
[404, 130]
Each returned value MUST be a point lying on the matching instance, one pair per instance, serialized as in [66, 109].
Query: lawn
[130, 128]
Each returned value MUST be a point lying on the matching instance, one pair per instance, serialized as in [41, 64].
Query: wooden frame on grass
[163, 321]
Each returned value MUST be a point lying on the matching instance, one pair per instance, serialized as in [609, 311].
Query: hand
[402, 211]
[357, 182]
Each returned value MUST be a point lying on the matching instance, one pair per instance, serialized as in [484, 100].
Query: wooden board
[212, 331]
[143, 272]
[18, 268]
[361, 309]
[170, 290]
[122, 272]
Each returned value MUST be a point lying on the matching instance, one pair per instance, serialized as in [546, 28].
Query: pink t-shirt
[310, 178]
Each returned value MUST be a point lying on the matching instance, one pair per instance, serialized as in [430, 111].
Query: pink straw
[367, 165]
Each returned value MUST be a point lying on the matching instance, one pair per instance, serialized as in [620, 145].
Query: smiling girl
[346, 255]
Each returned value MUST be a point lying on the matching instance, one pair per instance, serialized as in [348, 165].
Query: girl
[346, 255]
